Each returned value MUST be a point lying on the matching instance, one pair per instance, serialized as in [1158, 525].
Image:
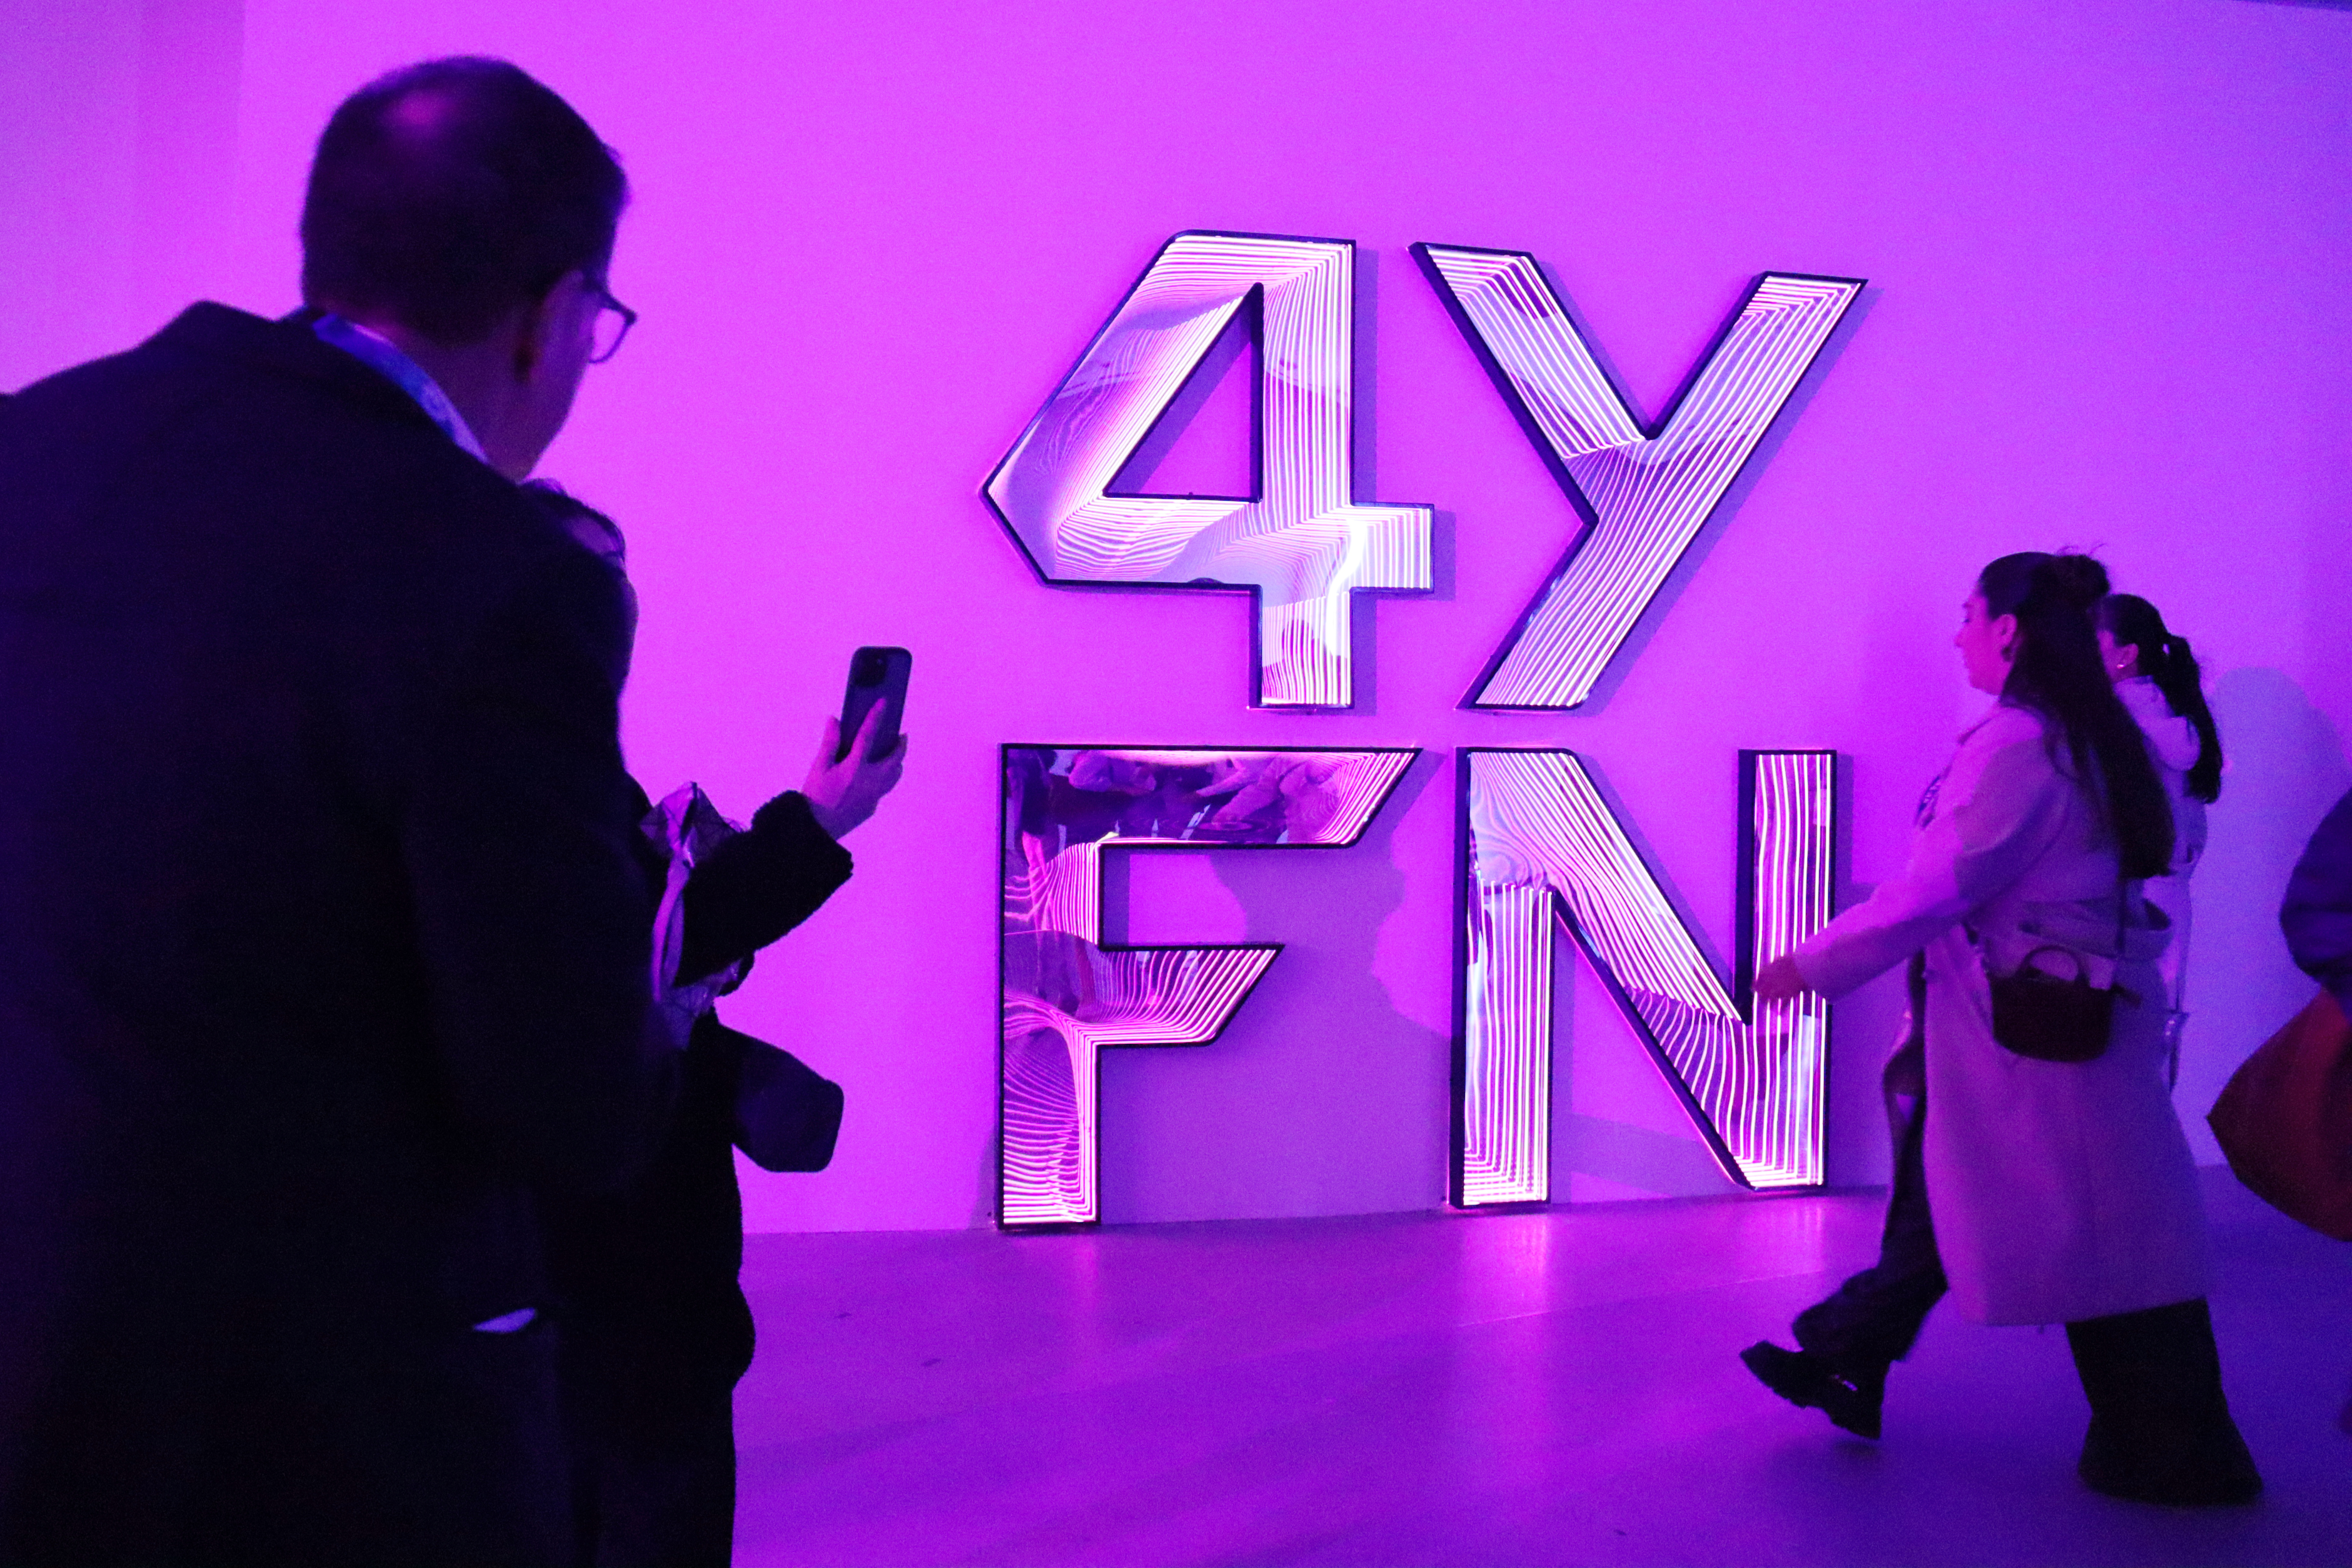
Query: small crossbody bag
[2056, 1017]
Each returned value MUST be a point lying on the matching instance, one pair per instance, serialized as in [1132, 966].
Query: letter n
[1541, 849]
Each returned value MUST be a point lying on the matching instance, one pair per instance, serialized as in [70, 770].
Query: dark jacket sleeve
[518, 831]
[2317, 914]
[758, 885]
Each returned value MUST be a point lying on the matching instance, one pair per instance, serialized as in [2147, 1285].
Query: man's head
[468, 212]
[446, 195]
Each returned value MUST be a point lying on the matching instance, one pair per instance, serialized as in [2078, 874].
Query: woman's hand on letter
[1780, 980]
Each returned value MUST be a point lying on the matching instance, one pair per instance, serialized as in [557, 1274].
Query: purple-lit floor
[1504, 1389]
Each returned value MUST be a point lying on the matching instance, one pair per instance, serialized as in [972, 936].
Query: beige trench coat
[2060, 1191]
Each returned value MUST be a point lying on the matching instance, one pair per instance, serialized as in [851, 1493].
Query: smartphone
[876, 675]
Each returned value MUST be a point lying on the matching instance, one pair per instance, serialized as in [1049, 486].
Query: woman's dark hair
[2082, 578]
[445, 194]
[2165, 658]
[2058, 675]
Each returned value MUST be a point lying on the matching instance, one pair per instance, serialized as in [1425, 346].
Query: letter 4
[1300, 544]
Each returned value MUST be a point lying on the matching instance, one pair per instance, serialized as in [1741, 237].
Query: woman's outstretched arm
[2013, 803]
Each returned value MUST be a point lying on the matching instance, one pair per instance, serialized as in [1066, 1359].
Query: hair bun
[2081, 579]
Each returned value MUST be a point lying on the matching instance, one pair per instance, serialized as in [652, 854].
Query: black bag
[787, 1114]
[2049, 1018]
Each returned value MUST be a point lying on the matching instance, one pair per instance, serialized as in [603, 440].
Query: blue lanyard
[379, 353]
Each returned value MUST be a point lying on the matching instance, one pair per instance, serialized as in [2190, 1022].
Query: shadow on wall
[1621, 1155]
[2286, 767]
[1320, 1098]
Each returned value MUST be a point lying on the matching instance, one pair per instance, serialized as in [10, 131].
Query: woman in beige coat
[2036, 1192]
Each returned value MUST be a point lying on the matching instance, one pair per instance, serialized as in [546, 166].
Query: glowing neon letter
[1065, 996]
[1300, 544]
[1541, 846]
[1645, 495]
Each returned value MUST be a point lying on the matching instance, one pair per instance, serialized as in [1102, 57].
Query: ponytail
[2164, 658]
[2178, 677]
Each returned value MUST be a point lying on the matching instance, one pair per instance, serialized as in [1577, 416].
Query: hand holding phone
[877, 685]
[864, 751]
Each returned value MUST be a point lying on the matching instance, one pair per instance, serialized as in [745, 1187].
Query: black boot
[2161, 1427]
[1850, 1398]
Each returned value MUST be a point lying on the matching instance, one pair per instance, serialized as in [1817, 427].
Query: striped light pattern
[1301, 545]
[1541, 846]
[1065, 996]
[1646, 496]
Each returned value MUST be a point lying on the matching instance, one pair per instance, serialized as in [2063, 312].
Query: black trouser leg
[654, 1479]
[2160, 1427]
[1873, 1317]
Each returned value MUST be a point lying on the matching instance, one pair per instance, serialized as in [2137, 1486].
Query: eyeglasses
[614, 320]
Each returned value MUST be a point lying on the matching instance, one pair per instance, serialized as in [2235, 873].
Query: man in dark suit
[322, 941]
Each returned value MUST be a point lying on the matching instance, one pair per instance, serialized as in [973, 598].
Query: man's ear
[530, 339]
[535, 326]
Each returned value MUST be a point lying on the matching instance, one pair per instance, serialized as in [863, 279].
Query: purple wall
[2105, 239]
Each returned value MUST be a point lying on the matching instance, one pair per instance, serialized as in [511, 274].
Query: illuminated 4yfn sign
[1540, 848]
